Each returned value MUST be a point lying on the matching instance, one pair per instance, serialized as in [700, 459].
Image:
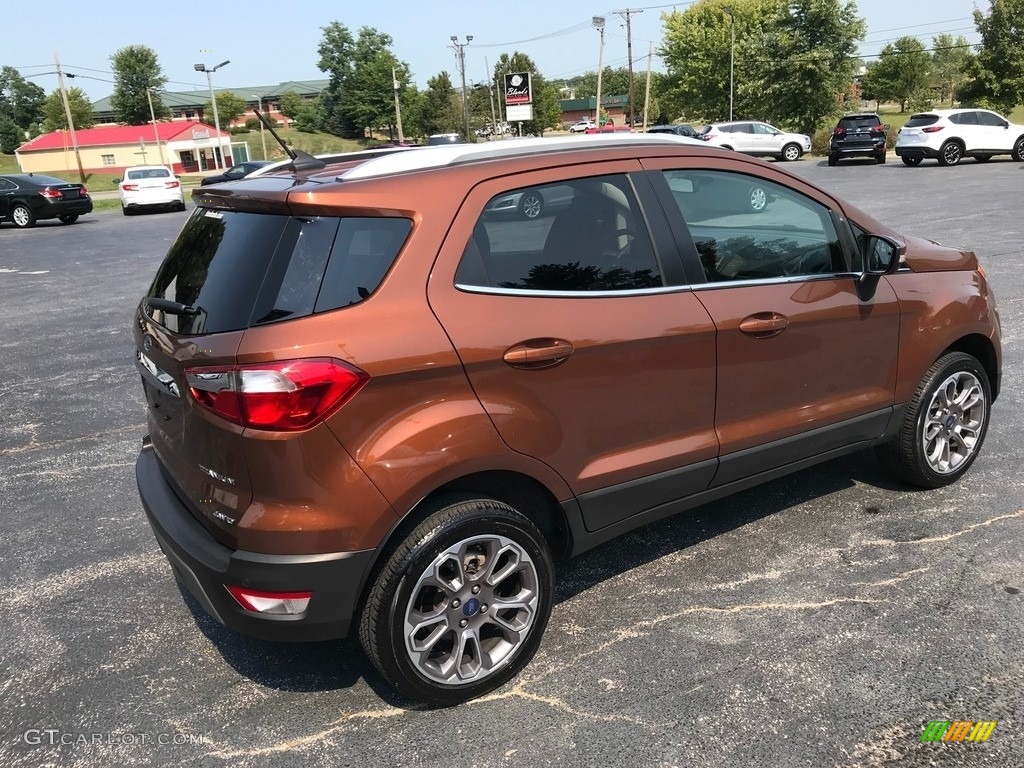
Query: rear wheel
[459, 607]
[833, 160]
[944, 426]
[791, 152]
[982, 158]
[531, 204]
[951, 153]
[68, 218]
[1018, 150]
[911, 160]
[126, 211]
[22, 216]
[880, 158]
[758, 199]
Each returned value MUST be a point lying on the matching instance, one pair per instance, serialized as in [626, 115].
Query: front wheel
[944, 425]
[1018, 150]
[22, 216]
[950, 153]
[982, 158]
[458, 609]
[758, 199]
[531, 204]
[912, 160]
[791, 152]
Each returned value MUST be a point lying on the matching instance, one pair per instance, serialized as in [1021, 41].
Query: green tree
[229, 108]
[902, 73]
[440, 109]
[997, 72]
[950, 57]
[20, 100]
[54, 117]
[291, 103]
[813, 42]
[11, 135]
[136, 68]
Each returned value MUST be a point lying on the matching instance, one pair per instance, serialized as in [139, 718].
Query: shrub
[239, 129]
[253, 123]
[820, 140]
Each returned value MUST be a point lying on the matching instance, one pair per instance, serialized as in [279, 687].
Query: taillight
[83, 192]
[172, 184]
[275, 603]
[50, 194]
[839, 131]
[877, 129]
[288, 395]
[933, 128]
[130, 187]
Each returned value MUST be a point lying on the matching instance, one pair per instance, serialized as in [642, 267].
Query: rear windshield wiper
[171, 307]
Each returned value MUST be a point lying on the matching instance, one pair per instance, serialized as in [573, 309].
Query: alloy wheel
[954, 423]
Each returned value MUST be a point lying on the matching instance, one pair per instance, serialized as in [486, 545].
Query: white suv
[150, 186]
[949, 135]
[753, 138]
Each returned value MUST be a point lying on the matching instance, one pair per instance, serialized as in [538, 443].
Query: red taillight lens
[287, 395]
[83, 192]
[933, 128]
[878, 129]
[276, 603]
[130, 187]
[172, 184]
[50, 194]
[839, 131]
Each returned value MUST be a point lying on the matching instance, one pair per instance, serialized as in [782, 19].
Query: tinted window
[916, 121]
[745, 228]
[990, 119]
[589, 236]
[859, 121]
[244, 269]
[5, 184]
[964, 118]
[149, 173]
[762, 129]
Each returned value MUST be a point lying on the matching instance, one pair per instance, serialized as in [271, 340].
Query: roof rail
[454, 154]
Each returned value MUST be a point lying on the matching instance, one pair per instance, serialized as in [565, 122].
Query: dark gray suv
[860, 135]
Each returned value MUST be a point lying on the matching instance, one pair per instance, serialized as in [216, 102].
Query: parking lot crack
[35, 445]
[947, 536]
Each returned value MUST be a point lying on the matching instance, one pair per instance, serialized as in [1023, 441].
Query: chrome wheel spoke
[427, 630]
[467, 656]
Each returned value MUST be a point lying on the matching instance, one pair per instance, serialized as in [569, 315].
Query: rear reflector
[274, 603]
[286, 396]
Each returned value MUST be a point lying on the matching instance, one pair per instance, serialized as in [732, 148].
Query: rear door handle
[538, 353]
[764, 325]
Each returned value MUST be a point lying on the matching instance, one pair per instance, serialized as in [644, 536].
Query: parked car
[150, 186]
[680, 129]
[236, 172]
[339, 158]
[531, 203]
[444, 138]
[949, 135]
[581, 125]
[373, 408]
[858, 135]
[758, 139]
[27, 197]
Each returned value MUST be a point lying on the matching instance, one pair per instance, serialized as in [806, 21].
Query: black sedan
[239, 171]
[27, 197]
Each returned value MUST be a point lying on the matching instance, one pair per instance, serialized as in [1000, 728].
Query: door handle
[538, 353]
[764, 325]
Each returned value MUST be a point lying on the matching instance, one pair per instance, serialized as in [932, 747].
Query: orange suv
[375, 406]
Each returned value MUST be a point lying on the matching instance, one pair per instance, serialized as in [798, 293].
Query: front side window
[990, 119]
[763, 130]
[747, 228]
[579, 235]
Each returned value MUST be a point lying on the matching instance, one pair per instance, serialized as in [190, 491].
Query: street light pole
[460, 58]
[732, 52]
[213, 99]
[152, 118]
[263, 136]
[598, 22]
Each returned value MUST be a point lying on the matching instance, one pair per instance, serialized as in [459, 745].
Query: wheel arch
[983, 350]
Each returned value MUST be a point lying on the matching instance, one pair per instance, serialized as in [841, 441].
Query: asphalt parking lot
[820, 620]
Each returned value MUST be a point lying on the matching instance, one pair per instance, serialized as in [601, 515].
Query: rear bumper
[916, 151]
[861, 150]
[204, 566]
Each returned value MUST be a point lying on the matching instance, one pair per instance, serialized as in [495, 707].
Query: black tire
[910, 456]
[125, 211]
[68, 218]
[531, 204]
[181, 206]
[951, 153]
[22, 216]
[982, 158]
[791, 152]
[880, 159]
[912, 160]
[1018, 150]
[446, 543]
[833, 160]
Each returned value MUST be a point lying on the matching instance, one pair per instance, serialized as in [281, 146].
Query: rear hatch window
[240, 269]
[858, 123]
[917, 121]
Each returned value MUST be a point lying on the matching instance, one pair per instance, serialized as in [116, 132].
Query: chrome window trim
[491, 291]
[788, 279]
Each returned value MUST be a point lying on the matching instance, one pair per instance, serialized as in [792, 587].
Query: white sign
[516, 113]
[200, 134]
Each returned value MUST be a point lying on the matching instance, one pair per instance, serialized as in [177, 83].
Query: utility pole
[67, 111]
[156, 133]
[460, 58]
[627, 14]
[398, 106]
[732, 51]
[598, 22]
[218, 153]
[647, 89]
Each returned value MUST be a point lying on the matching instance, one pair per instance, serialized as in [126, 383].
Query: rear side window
[241, 269]
[918, 121]
[964, 118]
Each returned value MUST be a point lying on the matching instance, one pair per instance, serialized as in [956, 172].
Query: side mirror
[880, 256]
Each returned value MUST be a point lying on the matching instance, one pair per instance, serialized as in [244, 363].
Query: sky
[273, 42]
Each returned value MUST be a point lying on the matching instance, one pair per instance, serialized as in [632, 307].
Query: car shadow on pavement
[340, 664]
